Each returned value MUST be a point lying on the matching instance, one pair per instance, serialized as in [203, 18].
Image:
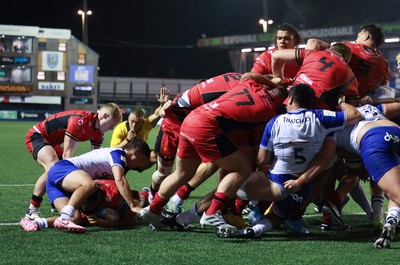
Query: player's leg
[238, 169]
[377, 205]
[46, 157]
[77, 185]
[389, 228]
[165, 147]
[204, 171]
[259, 187]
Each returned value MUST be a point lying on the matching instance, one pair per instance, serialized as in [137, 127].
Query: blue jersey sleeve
[118, 158]
[267, 133]
[379, 107]
[331, 119]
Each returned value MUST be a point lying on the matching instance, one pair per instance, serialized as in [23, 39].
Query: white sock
[32, 208]
[68, 212]
[393, 215]
[360, 197]
[176, 199]
[188, 217]
[42, 222]
[262, 226]
[377, 204]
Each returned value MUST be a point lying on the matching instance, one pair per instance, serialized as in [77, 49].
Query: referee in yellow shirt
[138, 127]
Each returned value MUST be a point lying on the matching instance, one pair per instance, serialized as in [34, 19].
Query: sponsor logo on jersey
[297, 120]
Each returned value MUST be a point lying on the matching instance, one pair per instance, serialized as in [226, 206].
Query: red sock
[336, 198]
[144, 196]
[36, 201]
[219, 202]
[184, 191]
[157, 204]
[326, 219]
[238, 205]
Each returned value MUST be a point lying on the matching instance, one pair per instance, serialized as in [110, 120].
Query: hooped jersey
[77, 124]
[369, 66]
[297, 136]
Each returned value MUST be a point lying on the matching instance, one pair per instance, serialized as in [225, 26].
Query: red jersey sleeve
[262, 64]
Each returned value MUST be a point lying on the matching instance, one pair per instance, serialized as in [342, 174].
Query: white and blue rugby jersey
[295, 137]
[99, 162]
[347, 139]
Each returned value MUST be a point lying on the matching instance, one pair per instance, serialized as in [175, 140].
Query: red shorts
[242, 137]
[202, 138]
[34, 142]
[167, 139]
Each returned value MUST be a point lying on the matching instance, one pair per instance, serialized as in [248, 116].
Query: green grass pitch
[140, 245]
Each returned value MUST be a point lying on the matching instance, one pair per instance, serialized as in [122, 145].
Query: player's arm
[70, 146]
[156, 116]
[352, 114]
[317, 165]
[159, 112]
[126, 219]
[369, 100]
[124, 189]
[264, 159]
[280, 58]
[392, 110]
[316, 44]
[262, 79]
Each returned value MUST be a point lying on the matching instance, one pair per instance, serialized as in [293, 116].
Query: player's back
[328, 75]
[296, 137]
[369, 66]
[322, 71]
[98, 163]
[247, 104]
[212, 88]
[198, 95]
[55, 127]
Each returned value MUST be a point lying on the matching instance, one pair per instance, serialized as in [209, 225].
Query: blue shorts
[57, 173]
[280, 180]
[291, 200]
[380, 150]
[291, 203]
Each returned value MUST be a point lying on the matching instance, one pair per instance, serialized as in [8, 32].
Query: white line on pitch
[17, 185]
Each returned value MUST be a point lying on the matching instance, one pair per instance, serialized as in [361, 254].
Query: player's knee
[158, 177]
[241, 193]
[91, 187]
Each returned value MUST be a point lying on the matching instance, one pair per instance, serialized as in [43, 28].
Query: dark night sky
[149, 38]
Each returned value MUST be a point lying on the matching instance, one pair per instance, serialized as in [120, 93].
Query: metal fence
[138, 91]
